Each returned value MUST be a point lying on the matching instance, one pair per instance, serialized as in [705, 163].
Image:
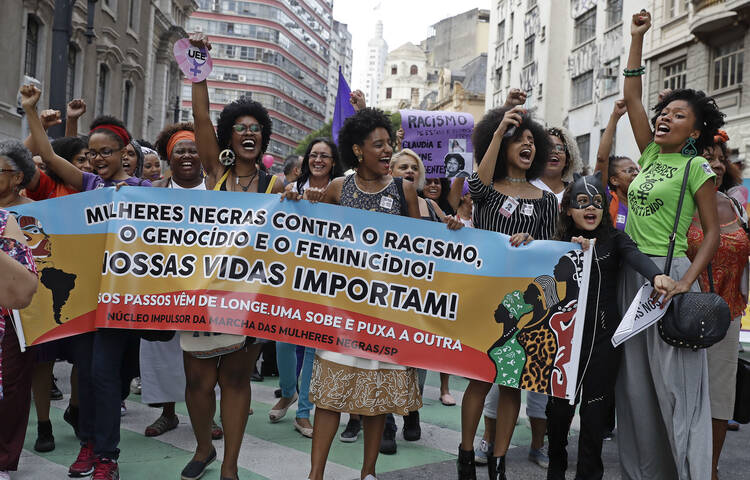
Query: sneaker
[54, 392]
[123, 408]
[84, 464]
[45, 441]
[135, 386]
[351, 432]
[412, 431]
[482, 452]
[388, 441]
[106, 469]
[539, 456]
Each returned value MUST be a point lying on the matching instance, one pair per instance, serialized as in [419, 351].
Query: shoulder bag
[694, 319]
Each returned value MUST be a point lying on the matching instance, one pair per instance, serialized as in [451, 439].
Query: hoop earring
[226, 157]
[689, 150]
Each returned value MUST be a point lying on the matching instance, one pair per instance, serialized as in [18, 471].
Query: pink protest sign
[194, 62]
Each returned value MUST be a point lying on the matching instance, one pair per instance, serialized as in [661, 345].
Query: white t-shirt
[173, 184]
[537, 182]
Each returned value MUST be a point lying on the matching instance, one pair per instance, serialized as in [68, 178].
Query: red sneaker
[84, 464]
[106, 469]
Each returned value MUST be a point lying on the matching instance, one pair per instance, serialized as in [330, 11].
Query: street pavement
[276, 451]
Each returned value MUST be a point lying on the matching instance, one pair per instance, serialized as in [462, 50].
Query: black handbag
[694, 319]
[157, 335]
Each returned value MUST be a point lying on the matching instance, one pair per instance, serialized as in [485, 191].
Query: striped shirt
[535, 216]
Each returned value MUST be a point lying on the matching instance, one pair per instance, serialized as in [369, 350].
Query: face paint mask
[590, 187]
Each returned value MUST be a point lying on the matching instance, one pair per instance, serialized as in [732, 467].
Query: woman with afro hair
[231, 158]
[662, 394]
[514, 150]
[365, 145]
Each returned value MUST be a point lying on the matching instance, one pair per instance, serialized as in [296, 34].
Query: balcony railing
[702, 4]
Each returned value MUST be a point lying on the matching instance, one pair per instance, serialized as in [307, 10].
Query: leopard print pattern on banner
[364, 392]
[540, 345]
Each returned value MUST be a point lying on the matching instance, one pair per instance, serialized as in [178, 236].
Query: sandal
[161, 425]
[217, 433]
[447, 400]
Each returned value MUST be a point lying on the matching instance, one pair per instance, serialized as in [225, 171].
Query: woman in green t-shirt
[663, 409]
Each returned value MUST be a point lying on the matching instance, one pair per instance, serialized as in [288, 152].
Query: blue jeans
[286, 360]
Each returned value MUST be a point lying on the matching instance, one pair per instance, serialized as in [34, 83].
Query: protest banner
[745, 326]
[441, 139]
[363, 283]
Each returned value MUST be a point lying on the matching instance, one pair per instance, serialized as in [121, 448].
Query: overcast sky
[403, 21]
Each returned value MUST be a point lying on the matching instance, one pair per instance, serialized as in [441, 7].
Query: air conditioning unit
[241, 78]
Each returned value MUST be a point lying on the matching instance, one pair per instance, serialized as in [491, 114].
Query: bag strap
[739, 211]
[401, 196]
[673, 236]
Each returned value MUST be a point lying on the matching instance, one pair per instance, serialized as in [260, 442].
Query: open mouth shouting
[662, 129]
[385, 162]
[591, 218]
[525, 155]
[248, 145]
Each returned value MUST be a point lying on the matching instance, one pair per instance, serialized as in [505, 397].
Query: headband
[119, 131]
[176, 137]
[149, 151]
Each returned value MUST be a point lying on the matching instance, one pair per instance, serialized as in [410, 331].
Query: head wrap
[176, 137]
[119, 131]
[148, 151]
[721, 137]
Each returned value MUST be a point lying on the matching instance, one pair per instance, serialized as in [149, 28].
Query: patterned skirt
[347, 384]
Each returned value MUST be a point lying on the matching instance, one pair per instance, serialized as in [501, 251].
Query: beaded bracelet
[634, 72]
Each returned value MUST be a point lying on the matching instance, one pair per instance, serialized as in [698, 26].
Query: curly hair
[162, 139]
[20, 159]
[67, 148]
[457, 157]
[708, 117]
[241, 107]
[357, 128]
[145, 144]
[408, 152]
[566, 228]
[485, 129]
[573, 162]
[110, 120]
[336, 170]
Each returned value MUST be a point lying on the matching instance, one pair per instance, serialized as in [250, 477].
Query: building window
[530, 4]
[585, 27]
[133, 15]
[584, 143]
[501, 31]
[70, 81]
[611, 77]
[675, 74]
[614, 12]
[528, 50]
[101, 89]
[394, 70]
[32, 46]
[675, 8]
[498, 79]
[512, 17]
[413, 70]
[388, 92]
[727, 64]
[415, 94]
[582, 89]
[127, 102]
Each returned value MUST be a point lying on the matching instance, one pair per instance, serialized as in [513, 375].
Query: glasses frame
[242, 128]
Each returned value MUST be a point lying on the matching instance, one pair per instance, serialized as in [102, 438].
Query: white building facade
[404, 81]
[377, 51]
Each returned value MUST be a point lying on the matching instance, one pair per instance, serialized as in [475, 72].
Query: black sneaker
[388, 441]
[54, 392]
[71, 416]
[412, 431]
[45, 442]
[351, 432]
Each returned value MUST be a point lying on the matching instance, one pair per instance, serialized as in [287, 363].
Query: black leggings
[597, 400]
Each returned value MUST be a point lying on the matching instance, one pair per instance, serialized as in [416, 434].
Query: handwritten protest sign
[368, 284]
[195, 63]
[441, 139]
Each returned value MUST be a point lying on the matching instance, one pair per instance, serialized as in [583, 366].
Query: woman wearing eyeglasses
[564, 161]
[320, 165]
[231, 157]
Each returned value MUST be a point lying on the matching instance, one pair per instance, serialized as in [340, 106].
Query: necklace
[365, 179]
[245, 187]
[516, 180]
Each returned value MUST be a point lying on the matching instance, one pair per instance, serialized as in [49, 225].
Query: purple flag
[343, 108]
